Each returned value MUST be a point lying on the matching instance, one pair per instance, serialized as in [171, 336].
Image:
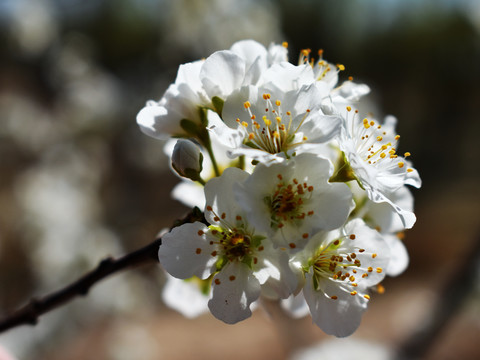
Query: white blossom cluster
[305, 197]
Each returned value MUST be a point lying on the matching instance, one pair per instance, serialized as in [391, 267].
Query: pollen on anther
[334, 297]
[198, 251]
[379, 270]
[209, 208]
[374, 256]
[370, 269]
[214, 253]
[401, 164]
[278, 103]
[217, 281]
[231, 278]
[305, 235]
[340, 67]
[285, 44]
[247, 104]
[353, 293]
[336, 242]
[200, 232]
[349, 108]
[366, 297]
[292, 245]
[352, 237]
[288, 113]
[350, 78]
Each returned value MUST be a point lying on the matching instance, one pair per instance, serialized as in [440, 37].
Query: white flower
[181, 101]
[371, 153]
[293, 200]
[227, 70]
[240, 258]
[339, 268]
[271, 124]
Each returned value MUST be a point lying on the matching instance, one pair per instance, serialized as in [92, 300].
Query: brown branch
[29, 313]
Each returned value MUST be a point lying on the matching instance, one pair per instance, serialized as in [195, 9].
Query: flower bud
[187, 159]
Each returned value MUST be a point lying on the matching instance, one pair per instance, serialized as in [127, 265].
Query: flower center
[374, 145]
[234, 242]
[275, 133]
[330, 261]
[287, 202]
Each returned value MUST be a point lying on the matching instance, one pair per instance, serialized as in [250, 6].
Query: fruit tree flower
[305, 201]
[371, 158]
[272, 124]
[339, 267]
[293, 200]
[240, 258]
[181, 101]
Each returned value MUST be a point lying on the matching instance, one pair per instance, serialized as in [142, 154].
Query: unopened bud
[187, 159]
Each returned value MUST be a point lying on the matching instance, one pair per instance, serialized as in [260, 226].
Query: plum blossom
[371, 158]
[293, 200]
[305, 202]
[272, 124]
[239, 257]
[182, 100]
[339, 267]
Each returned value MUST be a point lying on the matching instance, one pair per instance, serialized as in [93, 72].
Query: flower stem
[208, 145]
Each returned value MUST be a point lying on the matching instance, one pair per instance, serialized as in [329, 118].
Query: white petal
[250, 51]
[296, 306]
[277, 54]
[190, 74]
[189, 193]
[340, 317]
[185, 253]
[234, 289]
[399, 256]
[277, 278]
[149, 120]
[219, 195]
[185, 297]
[285, 76]
[228, 137]
[222, 73]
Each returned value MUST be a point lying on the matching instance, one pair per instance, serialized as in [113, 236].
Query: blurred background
[79, 181]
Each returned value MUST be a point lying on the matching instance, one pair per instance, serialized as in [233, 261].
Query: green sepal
[203, 116]
[218, 104]
[189, 127]
[344, 172]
